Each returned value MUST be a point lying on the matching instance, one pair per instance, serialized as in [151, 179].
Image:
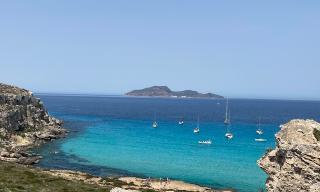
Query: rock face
[24, 122]
[164, 91]
[294, 165]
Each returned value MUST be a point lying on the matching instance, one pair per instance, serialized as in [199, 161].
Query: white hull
[155, 125]
[259, 132]
[196, 130]
[229, 135]
[209, 142]
[260, 140]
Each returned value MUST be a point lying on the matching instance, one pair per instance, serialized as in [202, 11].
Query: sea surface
[113, 136]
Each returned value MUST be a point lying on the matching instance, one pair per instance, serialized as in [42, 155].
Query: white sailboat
[197, 129]
[154, 124]
[228, 134]
[259, 131]
[181, 122]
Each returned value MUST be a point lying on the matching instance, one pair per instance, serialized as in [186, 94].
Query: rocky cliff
[294, 165]
[24, 123]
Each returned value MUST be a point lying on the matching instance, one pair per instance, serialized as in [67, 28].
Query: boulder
[4, 154]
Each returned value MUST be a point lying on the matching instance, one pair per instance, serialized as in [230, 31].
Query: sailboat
[181, 122]
[154, 124]
[197, 129]
[227, 122]
[227, 118]
[259, 131]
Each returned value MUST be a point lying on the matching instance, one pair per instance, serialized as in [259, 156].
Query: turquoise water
[173, 151]
[114, 136]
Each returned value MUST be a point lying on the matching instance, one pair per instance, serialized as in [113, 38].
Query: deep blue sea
[113, 136]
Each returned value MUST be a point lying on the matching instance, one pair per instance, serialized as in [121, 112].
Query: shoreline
[133, 183]
[140, 181]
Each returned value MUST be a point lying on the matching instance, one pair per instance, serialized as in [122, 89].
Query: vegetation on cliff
[16, 177]
[316, 134]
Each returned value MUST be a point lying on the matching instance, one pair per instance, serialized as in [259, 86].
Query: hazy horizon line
[96, 94]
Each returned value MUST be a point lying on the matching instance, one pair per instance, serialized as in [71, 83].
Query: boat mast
[198, 122]
[227, 107]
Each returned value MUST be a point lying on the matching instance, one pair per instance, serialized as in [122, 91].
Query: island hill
[164, 91]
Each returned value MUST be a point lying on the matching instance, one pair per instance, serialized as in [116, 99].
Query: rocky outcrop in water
[294, 165]
[24, 123]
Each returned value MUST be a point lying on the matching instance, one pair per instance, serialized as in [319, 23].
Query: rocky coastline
[294, 165]
[24, 123]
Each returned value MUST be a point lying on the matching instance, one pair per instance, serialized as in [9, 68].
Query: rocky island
[294, 165]
[164, 91]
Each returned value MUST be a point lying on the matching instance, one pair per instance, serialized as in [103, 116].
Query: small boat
[229, 135]
[197, 129]
[259, 131]
[260, 140]
[207, 142]
[154, 124]
[181, 122]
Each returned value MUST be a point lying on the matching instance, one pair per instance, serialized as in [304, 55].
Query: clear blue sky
[249, 49]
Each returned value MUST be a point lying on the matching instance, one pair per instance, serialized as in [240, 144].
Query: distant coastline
[164, 91]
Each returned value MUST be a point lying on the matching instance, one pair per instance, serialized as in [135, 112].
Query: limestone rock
[294, 165]
[24, 123]
[4, 154]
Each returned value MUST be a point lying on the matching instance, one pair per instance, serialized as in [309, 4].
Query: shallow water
[114, 136]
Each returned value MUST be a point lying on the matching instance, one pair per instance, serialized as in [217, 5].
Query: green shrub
[316, 134]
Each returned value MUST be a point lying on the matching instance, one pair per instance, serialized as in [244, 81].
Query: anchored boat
[259, 131]
[155, 124]
[181, 122]
[197, 129]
